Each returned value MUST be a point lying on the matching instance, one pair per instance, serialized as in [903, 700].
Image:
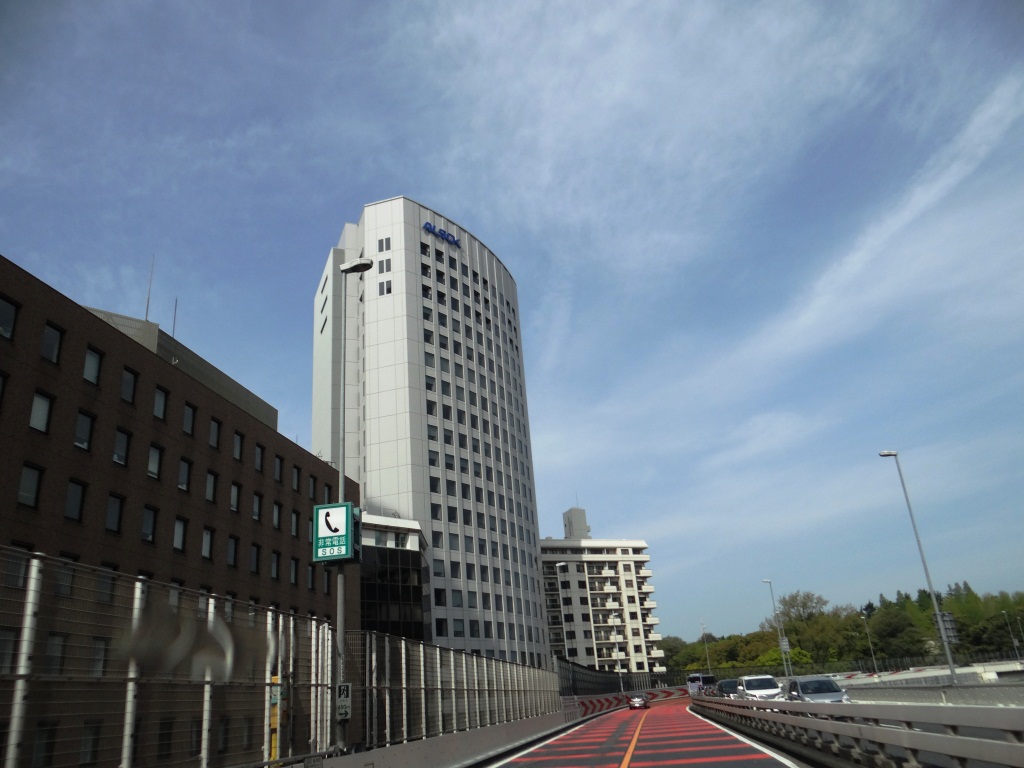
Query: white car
[758, 687]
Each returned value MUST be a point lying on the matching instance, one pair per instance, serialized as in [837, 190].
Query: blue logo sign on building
[448, 237]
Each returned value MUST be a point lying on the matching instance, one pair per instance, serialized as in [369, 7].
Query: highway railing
[879, 733]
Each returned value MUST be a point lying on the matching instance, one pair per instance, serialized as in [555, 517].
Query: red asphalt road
[664, 735]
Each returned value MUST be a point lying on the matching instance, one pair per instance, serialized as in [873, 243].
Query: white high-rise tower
[436, 424]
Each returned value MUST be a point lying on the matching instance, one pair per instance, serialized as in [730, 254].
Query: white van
[758, 687]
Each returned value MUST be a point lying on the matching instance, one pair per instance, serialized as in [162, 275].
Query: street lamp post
[353, 267]
[1013, 639]
[871, 645]
[786, 670]
[707, 653]
[924, 563]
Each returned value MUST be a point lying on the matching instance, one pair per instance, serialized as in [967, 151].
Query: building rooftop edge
[467, 231]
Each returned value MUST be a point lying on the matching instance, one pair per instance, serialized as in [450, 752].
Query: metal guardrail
[879, 734]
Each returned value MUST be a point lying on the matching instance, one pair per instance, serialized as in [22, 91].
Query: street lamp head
[886, 454]
[356, 265]
[767, 581]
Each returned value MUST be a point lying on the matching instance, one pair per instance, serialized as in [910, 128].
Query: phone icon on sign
[327, 522]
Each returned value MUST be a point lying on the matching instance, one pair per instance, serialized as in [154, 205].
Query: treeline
[890, 631]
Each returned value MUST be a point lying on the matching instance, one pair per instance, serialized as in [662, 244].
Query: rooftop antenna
[174, 325]
[149, 291]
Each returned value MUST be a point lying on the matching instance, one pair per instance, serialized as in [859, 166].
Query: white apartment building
[436, 425]
[599, 600]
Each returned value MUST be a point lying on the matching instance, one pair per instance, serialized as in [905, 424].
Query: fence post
[423, 691]
[439, 696]
[405, 690]
[387, 692]
[131, 693]
[28, 628]
[267, 680]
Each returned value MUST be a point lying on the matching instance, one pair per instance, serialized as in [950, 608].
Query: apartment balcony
[651, 620]
[645, 573]
[649, 604]
[660, 669]
[647, 588]
[609, 573]
[612, 604]
[657, 653]
[653, 637]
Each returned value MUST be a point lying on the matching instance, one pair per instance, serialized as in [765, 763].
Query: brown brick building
[121, 448]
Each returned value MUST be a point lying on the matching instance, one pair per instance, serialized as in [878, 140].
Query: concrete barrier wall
[455, 749]
[986, 695]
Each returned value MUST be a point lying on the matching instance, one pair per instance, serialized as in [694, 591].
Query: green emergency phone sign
[336, 532]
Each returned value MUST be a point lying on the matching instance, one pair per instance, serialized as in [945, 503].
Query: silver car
[816, 688]
[639, 701]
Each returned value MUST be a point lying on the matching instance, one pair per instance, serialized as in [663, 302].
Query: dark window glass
[149, 524]
[93, 363]
[8, 317]
[180, 528]
[83, 430]
[188, 420]
[160, 403]
[28, 488]
[74, 502]
[122, 440]
[115, 506]
[39, 418]
[129, 379]
[52, 338]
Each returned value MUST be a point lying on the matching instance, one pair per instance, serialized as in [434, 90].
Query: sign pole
[336, 541]
[340, 637]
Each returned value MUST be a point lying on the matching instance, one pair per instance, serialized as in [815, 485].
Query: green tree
[895, 633]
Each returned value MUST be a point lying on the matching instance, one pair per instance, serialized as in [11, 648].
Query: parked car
[818, 688]
[725, 689]
[758, 687]
[639, 701]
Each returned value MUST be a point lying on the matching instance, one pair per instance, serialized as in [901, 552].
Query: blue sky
[755, 243]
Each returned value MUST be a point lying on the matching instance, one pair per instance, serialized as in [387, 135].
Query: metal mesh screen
[99, 668]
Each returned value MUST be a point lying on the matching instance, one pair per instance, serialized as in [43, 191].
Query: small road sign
[336, 528]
